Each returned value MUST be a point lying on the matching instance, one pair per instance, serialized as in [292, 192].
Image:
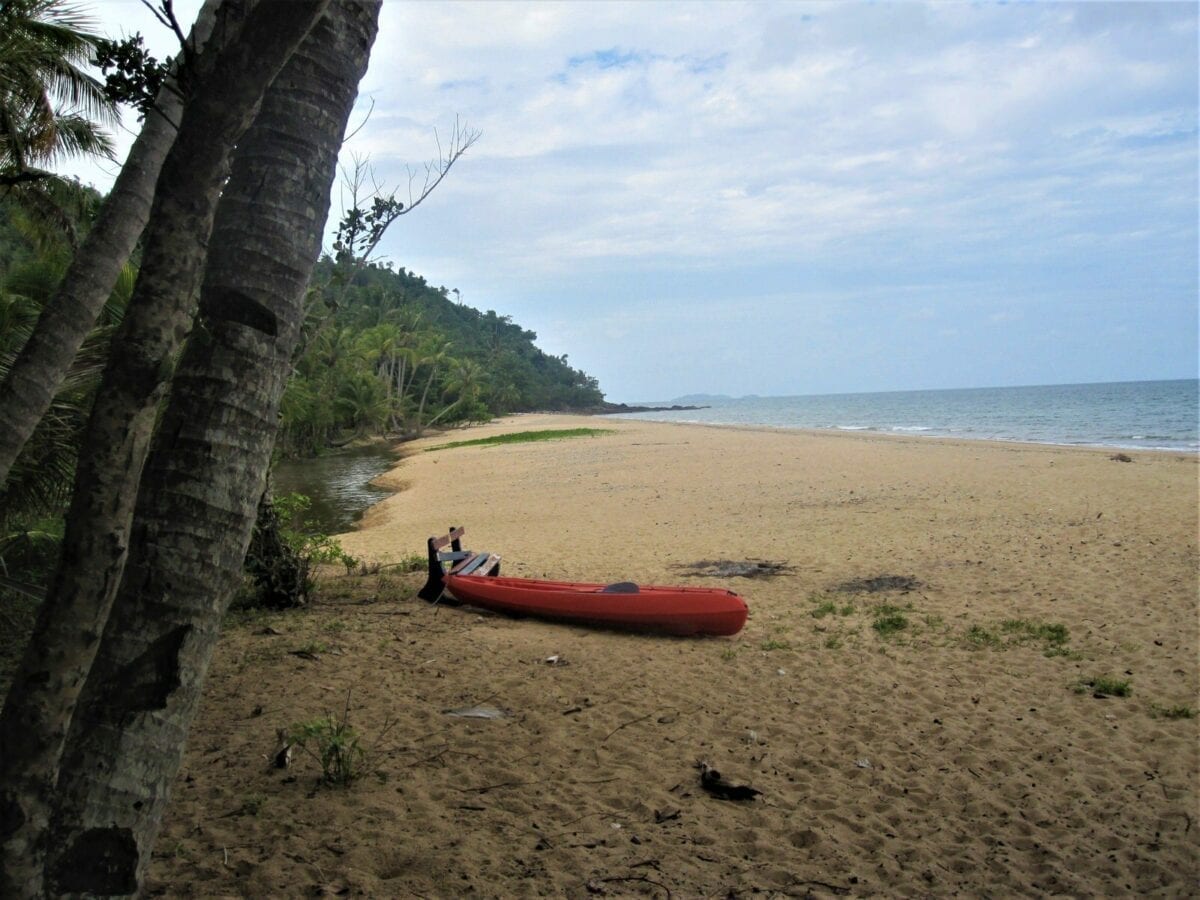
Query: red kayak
[669, 610]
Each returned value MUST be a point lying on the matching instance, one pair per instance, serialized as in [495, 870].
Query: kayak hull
[662, 610]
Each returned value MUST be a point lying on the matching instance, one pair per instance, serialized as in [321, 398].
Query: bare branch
[165, 13]
[357, 129]
[362, 228]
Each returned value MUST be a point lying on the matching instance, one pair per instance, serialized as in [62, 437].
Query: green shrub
[334, 744]
[313, 546]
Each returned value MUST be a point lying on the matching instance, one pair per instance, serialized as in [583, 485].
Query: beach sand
[955, 755]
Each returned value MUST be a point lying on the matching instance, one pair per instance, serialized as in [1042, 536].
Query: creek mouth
[338, 484]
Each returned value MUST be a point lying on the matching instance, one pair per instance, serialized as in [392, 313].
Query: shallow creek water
[337, 483]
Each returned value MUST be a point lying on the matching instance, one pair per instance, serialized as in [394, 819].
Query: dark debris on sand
[731, 568]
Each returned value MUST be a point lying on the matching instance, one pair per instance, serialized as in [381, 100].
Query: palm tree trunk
[424, 395]
[199, 494]
[36, 374]
[445, 409]
[233, 76]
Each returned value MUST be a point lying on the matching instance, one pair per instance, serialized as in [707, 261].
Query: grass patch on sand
[1104, 686]
[889, 621]
[822, 610]
[825, 606]
[978, 636]
[1022, 629]
[1171, 712]
[1010, 633]
[525, 437]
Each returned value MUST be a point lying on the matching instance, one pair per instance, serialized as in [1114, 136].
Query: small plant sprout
[334, 744]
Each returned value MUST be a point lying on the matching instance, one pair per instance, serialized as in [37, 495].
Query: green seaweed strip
[524, 437]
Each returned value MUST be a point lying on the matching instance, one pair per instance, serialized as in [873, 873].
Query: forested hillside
[385, 352]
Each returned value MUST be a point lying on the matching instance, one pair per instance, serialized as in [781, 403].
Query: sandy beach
[959, 748]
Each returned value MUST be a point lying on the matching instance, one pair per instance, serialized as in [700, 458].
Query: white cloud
[1032, 145]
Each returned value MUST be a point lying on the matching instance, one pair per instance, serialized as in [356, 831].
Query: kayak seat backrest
[621, 587]
[477, 563]
[455, 555]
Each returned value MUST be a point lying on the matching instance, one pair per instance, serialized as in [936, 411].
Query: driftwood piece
[711, 781]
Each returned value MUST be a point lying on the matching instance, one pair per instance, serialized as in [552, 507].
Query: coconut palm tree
[199, 492]
[49, 106]
[59, 656]
[433, 355]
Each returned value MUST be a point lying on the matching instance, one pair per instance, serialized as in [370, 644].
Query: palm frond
[46, 96]
[75, 135]
[118, 300]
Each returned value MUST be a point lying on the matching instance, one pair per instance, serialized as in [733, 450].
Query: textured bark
[39, 369]
[207, 469]
[33, 726]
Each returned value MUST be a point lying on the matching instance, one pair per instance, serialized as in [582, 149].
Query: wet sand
[960, 751]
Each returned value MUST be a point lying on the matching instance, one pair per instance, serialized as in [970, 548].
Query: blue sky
[803, 198]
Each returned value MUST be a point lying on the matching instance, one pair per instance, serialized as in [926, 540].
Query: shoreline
[892, 435]
[902, 435]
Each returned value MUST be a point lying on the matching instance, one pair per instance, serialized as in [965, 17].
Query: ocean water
[1138, 415]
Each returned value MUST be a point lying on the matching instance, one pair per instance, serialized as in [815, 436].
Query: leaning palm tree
[467, 381]
[49, 106]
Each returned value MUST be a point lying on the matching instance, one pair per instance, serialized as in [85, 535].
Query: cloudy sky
[796, 198]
